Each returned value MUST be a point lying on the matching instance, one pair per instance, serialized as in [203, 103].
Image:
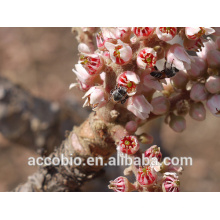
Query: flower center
[127, 142]
[129, 84]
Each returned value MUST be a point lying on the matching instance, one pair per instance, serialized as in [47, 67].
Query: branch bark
[34, 122]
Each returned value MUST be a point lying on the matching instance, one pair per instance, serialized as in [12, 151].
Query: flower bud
[198, 67]
[213, 58]
[129, 145]
[143, 32]
[171, 182]
[166, 33]
[213, 105]
[197, 111]
[177, 123]
[131, 127]
[146, 58]
[153, 151]
[129, 80]
[121, 184]
[213, 84]
[146, 176]
[161, 105]
[180, 79]
[198, 92]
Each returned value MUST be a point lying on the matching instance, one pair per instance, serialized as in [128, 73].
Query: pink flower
[197, 32]
[95, 97]
[93, 63]
[139, 106]
[123, 33]
[208, 46]
[166, 33]
[83, 76]
[129, 145]
[146, 176]
[143, 32]
[129, 80]
[120, 53]
[213, 105]
[179, 57]
[121, 184]
[171, 182]
[146, 58]
[153, 151]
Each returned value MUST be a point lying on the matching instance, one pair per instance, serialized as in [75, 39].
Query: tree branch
[95, 137]
[34, 122]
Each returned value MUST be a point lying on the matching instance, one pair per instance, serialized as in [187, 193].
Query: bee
[217, 112]
[119, 94]
[165, 73]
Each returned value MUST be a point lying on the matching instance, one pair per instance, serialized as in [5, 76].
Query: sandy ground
[41, 59]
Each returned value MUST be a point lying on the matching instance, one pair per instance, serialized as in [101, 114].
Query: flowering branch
[126, 89]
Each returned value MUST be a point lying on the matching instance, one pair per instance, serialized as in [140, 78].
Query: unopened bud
[131, 127]
[177, 123]
[213, 105]
[180, 79]
[198, 92]
[198, 67]
[197, 111]
[213, 58]
[160, 105]
[213, 84]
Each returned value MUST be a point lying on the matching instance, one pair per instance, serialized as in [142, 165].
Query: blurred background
[41, 61]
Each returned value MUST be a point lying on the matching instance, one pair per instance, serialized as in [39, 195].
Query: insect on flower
[165, 73]
[119, 94]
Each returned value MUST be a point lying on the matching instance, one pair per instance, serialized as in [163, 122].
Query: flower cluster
[146, 72]
[156, 176]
